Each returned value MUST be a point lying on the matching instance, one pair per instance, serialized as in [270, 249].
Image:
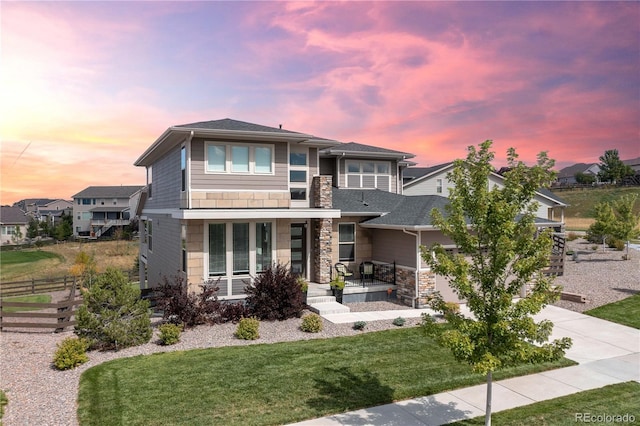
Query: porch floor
[351, 287]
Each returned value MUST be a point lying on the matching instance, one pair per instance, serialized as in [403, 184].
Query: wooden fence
[62, 317]
[46, 285]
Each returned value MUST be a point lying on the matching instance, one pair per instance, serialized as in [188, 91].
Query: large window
[217, 249]
[263, 246]
[347, 242]
[227, 158]
[369, 174]
[240, 248]
[150, 181]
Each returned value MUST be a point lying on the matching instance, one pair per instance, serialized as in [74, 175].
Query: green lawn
[11, 261]
[612, 400]
[582, 202]
[625, 311]
[273, 384]
[34, 298]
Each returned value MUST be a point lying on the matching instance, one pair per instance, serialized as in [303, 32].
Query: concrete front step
[326, 308]
[311, 300]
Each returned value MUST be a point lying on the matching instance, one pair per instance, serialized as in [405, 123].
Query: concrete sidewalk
[607, 353]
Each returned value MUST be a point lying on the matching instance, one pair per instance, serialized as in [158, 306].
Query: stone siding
[240, 200]
[322, 230]
[406, 282]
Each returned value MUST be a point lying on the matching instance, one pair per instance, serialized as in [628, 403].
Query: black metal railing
[381, 273]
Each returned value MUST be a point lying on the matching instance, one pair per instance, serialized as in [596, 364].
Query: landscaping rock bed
[40, 395]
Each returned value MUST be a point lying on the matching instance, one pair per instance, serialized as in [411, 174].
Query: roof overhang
[233, 214]
[176, 135]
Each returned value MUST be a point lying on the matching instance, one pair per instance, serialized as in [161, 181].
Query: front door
[298, 249]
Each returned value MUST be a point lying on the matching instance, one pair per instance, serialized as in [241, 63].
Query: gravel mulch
[40, 395]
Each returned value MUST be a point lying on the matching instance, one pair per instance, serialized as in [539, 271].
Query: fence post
[61, 310]
[394, 273]
[33, 286]
[65, 282]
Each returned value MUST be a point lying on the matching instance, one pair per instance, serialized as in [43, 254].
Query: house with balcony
[100, 210]
[225, 199]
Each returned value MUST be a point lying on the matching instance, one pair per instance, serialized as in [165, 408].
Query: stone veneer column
[322, 229]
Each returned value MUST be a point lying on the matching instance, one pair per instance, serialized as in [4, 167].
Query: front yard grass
[270, 384]
[612, 400]
[32, 298]
[625, 311]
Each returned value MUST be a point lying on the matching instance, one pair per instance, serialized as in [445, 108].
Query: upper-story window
[150, 181]
[246, 159]
[369, 174]
[298, 173]
[439, 186]
[183, 168]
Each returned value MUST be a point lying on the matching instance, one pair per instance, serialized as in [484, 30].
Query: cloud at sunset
[89, 86]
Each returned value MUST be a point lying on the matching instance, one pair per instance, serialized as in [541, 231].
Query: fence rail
[63, 315]
[45, 285]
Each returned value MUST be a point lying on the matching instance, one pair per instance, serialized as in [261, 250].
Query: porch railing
[383, 273]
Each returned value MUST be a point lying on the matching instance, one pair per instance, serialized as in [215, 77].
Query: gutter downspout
[188, 168]
[414, 302]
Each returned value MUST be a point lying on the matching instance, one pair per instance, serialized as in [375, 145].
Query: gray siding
[229, 181]
[165, 258]
[394, 246]
[166, 183]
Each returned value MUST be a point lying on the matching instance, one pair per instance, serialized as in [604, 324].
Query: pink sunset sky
[86, 87]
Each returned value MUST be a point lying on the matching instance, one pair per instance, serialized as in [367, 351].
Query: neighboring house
[46, 209]
[433, 181]
[99, 210]
[13, 224]
[225, 199]
[567, 176]
[634, 163]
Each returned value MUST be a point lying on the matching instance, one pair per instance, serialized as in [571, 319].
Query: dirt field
[119, 254]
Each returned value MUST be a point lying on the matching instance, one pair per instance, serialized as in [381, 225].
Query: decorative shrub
[399, 321]
[275, 294]
[248, 329]
[71, 353]
[359, 325]
[452, 307]
[169, 333]
[3, 401]
[112, 315]
[571, 236]
[619, 245]
[191, 309]
[304, 285]
[312, 323]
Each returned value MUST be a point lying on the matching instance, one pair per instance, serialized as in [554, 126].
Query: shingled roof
[123, 191]
[230, 124]
[10, 215]
[353, 148]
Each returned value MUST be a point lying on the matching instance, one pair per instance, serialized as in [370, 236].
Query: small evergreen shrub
[3, 401]
[619, 245]
[275, 294]
[248, 329]
[399, 322]
[312, 323]
[71, 353]
[112, 315]
[169, 333]
[359, 325]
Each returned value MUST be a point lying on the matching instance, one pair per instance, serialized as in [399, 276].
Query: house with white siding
[225, 199]
[13, 225]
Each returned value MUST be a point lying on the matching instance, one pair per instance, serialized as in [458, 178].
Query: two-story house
[99, 210]
[226, 198]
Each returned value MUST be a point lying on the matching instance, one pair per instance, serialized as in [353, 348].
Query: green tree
[17, 236]
[32, 228]
[612, 169]
[64, 230]
[500, 251]
[616, 220]
[585, 178]
[112, 315]
[45, 228]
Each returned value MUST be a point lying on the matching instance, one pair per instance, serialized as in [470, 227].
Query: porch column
[322, 229]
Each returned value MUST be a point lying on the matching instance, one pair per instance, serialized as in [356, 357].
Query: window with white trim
[347, 242]
[183, 168]
[369, 174]
[242, 159]
[439, 186]
[150, 181]
[298, 173]
[149, 234]
[239, 248]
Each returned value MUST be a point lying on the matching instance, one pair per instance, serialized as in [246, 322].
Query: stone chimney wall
[322, 192]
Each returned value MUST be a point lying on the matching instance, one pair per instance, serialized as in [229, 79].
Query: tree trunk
[487, 415]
